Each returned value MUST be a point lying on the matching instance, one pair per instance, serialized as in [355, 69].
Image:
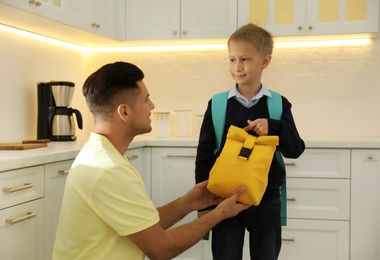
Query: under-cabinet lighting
[39, 37]
[322, 43]
[167, 47]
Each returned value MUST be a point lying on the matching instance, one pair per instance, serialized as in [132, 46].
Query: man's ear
[123, 111]
[266, 60]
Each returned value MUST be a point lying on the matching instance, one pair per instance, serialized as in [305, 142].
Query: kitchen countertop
[60, 151]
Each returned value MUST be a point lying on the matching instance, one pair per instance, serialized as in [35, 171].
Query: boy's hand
[259, 126]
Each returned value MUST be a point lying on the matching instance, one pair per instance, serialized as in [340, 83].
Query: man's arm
[158, 243]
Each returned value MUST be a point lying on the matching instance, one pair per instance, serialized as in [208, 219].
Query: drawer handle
[180, 155]
[290, 163]
[24, 187]
[132, 157]
[15, 220]
[291, 199]
[289, 239]
[63, 172]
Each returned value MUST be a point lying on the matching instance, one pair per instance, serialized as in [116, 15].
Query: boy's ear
[266, 60]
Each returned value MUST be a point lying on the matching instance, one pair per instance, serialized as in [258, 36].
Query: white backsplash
[335, 91]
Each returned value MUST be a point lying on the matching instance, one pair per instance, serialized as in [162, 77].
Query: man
[106, 213]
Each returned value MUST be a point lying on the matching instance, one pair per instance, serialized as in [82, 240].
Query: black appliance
[55, 119]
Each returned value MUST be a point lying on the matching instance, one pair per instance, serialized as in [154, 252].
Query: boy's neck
[249, 91]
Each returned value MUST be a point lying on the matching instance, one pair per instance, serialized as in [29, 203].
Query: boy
[250, 49]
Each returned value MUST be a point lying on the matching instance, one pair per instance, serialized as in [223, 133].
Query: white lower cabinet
[173, 174]
[22, 214]
[55, 180]
[365, 205]
[318, 204]
[315, 240]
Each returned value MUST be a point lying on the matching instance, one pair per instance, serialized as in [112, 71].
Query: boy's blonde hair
[254, 35]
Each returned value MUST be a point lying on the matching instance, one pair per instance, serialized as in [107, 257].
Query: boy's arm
[291, 144]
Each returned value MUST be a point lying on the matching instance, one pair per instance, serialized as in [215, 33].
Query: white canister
[183, 123]
[198, 124]
[162, 124]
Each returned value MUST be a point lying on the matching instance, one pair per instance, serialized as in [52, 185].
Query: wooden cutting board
[21, 146]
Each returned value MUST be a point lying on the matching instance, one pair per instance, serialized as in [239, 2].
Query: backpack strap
[218, 111]
[274, 103]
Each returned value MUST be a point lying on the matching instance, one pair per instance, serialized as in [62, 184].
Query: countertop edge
[61, 151]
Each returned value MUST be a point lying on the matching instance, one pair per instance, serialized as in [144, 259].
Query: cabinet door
[95, 16]
[311, 17]
[173, 174]
[140, 160]
[205, 19]
[55, 180]
[281, 18]
[365, 205]
[152, 19]
[315, 240]
[21, 185]
[24, 239]
[53, 9]
[342, 16]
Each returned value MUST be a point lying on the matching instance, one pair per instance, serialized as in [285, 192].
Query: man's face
[141, 111]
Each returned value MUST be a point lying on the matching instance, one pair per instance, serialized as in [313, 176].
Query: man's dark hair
[111, 85]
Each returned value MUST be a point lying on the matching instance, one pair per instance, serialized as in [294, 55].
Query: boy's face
[246, 64]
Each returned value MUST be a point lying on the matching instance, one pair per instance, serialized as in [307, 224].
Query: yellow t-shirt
[105, 200]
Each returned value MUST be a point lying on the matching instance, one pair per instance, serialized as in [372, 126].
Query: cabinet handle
[24, 187]
[370, 157]
[184, 32]
[299, 28]
[95, 25]
[32, 2]
[15, 220]
[310, 27]
[63, 172]
[180, 155]
[37, 4]
[132, 157]
[289, 239]
[290, 163]
[174, 32]
[291, 199]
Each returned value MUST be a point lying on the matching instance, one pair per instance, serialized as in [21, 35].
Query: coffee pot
[55, 116]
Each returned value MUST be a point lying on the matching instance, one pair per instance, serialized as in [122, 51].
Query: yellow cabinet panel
[328, 11]
[259, 10]
[284, 12]
[356, 10]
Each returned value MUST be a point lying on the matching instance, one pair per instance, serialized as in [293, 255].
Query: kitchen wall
[23, 63]
[335, 91]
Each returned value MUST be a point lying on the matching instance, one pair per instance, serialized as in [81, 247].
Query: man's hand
[199, 197]
[230, 207]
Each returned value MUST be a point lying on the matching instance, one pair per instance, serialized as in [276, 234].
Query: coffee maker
[55, 119]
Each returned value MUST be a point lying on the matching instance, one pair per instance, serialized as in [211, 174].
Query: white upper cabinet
[311, 17]
[53, 9]
[180, 19]
[96, 16]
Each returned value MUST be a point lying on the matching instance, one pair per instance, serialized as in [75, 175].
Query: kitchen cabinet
[180, 19]
[173, 174]
[22, 214]
[311, 17]
[365, 207]
[53, 9]
[318, 194]
[95, 16]
[140, 160]
[55, 180]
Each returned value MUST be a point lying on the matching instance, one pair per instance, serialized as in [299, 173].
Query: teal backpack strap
[275, 111]
[218, 112]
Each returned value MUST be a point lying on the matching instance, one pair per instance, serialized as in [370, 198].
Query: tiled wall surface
[335, 91]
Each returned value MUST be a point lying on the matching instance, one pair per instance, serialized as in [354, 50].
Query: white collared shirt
[242, 100]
